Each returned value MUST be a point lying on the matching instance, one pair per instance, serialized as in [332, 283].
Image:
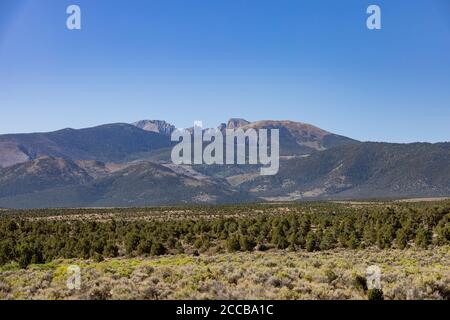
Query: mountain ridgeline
[129, 165]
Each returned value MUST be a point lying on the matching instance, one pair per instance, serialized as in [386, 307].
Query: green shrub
[157, 249]
[246, 243]
[144, 246]
[331, 276]
[111, 250]
[402, 239]
[360, 283]
[422, 238]
[375, 294]
[131, 243]
[98, 257]
[233, 244]
[25, 256]
[311, 242]
[6, 251]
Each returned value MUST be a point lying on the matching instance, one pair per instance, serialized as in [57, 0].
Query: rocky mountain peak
[159, 126]
[235, 123]
[222, 127]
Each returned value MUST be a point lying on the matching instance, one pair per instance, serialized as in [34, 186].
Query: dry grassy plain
[255, 251]
[275, 274]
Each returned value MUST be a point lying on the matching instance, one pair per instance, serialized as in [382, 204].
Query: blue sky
[183, 60]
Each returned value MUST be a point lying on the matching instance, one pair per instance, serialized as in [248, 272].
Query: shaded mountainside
[40, 174]
[152, 184]
[147, 139]
[108, 143]
[365, 170]
[62, 183]
[129, 165]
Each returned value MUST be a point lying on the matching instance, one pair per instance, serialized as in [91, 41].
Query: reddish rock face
[304, 134]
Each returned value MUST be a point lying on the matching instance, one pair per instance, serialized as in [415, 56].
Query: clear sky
[183, 60]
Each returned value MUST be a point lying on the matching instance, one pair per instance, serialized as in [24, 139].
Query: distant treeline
[26, 240]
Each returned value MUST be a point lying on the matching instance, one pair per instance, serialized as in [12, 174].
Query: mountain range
[129, 165]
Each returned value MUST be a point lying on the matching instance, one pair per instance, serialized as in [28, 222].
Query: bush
[157, 249]
[385, 237]
[131, 242]
[6, 251]
[352, 242]
[422, 238]
[360, 283]
[198, 243]
[328, 241]
[100, 292]
[331, 276]
[443, 232]
[25, 256]
[246, 243]
[311, 242]
[111, 250]
[279, 238]
[402, 239]
[261, 247]
[144, 246]
[98, 257]
[375, 294]
[233, 244]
